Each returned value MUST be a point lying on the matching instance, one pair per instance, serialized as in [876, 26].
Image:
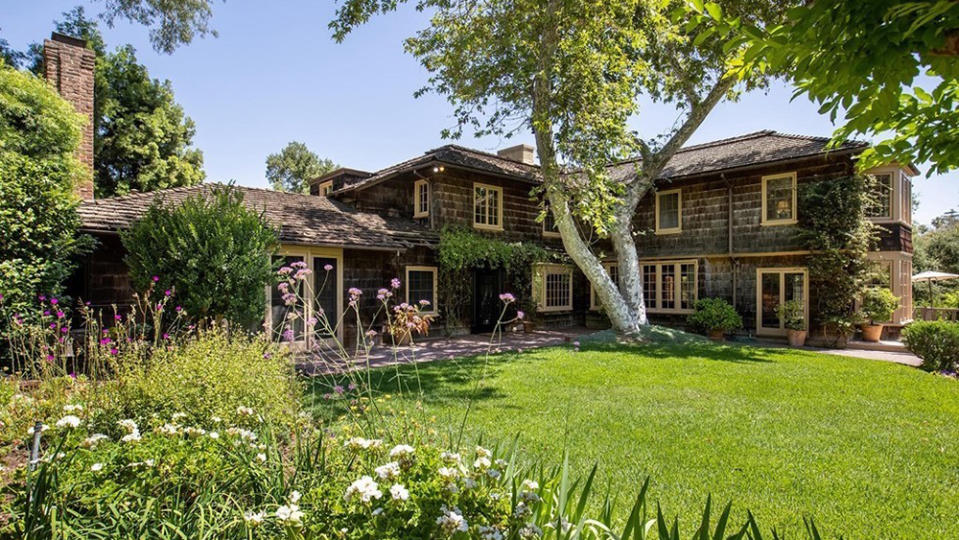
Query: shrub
[936, 342]
[212, 250]
[878, 304]
[714, 314]
[793, 314]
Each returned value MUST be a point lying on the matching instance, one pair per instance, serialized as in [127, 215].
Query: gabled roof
[460, 157]
[302, 219]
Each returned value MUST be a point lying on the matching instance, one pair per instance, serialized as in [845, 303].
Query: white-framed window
[324, 286]
[779, 199]
[553, 287]
[670, 286]
[669, 211]
[487, 207]
[550, 230]
[775, 286]
[421, 285]
[891, 190]
[325, 188]
[421, 199]
[881, 188]
[613, 270]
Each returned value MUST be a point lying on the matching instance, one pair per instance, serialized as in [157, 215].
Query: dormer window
[421, 199]
[324, 189]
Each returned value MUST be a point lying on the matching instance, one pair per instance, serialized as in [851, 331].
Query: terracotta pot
[871, 332]
[797, 338]
[717, 335]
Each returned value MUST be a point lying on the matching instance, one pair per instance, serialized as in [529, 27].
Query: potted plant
[406, 319]
[793, 315]
[716, 317]
[878, 304]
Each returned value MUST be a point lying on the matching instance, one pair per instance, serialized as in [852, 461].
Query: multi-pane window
[553, 285]
[487, 207]
[421, 199]
[670, 287]
[613, 270]
[779, 199]
[549, 223]
[325, 188]
[906, 204]
[775, 286]
[669, 213]
[421, 285]
[881, 189]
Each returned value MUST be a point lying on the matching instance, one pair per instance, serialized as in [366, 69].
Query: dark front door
[487, 286]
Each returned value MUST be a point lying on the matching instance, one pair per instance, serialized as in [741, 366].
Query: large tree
[142, 141]
[572, 71]
[889, 68]
[292, 168]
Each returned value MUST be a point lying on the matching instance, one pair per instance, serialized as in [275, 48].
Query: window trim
[782, 271]
[324, 189]
[679, 209]
[547, 233]
[418, 211]
[540, 271]
[678, 266]
[309, 254]
[434, 309]
[499, 208]
[795, 208]
[894, 192]
[593, 304]
[898, 206]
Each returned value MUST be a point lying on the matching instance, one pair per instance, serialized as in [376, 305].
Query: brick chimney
[68, 65]
[521, 152]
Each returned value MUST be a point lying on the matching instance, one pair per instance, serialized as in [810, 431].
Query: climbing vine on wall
[461, 250]
[833, 224]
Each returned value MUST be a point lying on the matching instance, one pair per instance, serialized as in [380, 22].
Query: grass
[868, 448]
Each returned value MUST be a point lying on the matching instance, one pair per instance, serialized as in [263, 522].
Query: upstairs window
[421, 199]
[487, 207]
[881, 189]
[669, 211]
[779, 199]
[550, 230]
[324, 189]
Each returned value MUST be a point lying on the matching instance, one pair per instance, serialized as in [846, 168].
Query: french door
[316, 315]
[775, 286]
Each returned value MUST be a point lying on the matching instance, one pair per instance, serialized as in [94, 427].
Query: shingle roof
[303, 219]
[459, 156]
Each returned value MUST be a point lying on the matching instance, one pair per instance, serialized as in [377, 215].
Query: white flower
[43, 427]
[501, 463]
[261, 457]
[452, 521]
[483, 452]
[530, 485]
[294, 497]
[493, 473]
[96, 467]
[399, 493]
[214, 435]
[388, 471]
[530, 531]
[359, 443]
[128, 425]
[244, 411]
[131, 437]
[254, 519]
[490, 533]
[366, 488]
[168, 429]
[194, 431]
[448, 473]
[377, 511]
[482, 463]
[93, 440]
[72, 408]
[522, 510]
[450, 457]
[291, 514]
[469, 483]
[401, 451]
[69, 421]
[177, 415]
[217, 420]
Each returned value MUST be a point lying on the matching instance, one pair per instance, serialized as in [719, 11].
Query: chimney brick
[521, 152]
[68, 65]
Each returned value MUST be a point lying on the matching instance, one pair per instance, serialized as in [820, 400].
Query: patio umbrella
[931, 277]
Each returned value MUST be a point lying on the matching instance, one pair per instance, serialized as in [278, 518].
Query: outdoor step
[885, 345]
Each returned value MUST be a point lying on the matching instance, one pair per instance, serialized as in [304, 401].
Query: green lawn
[870, 449]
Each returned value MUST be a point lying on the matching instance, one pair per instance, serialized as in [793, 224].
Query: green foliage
[884, 66]
[878, 304]
[715, 314]
[171, 23]
[793, 314]
[293, 167]
[833, 224]
[460, 250]
[936, 342]
[39, 133]
[211, 250]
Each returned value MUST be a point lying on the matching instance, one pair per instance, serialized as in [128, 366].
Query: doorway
[487, 286]
[775, 286]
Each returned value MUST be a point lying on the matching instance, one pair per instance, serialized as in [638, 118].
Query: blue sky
[274, 75]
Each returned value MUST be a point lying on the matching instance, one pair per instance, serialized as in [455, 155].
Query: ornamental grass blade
[753, 527]
[723, 520]
[661, 524]
[703, 532]
[584, 495]
[635, 526]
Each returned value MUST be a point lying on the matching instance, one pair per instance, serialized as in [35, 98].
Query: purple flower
[285, 271]
[289, 299]
[65, 329]
[520, 314]
[575, 344]
[338, 389]
[424, 303]
[59, 314]
[298, 264]
[351, 387]
[371, 334]
[301, 274]
[114, 351]
[328, 267]
[311, 321]
[105, 341]
[327, 396]
[159, 307]
[507, 297]
[354, 295]
[53, 326]
[179, 309]
[167, 292]
[118, 317]
[41, 297]
[50, 358]
[395, 283]
[166, 336]
[54, 301]
[288, 334]
[46, 313]
[267, 355]
[73, 376]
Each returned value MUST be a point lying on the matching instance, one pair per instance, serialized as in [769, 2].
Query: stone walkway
[906, 358]
[439, 349]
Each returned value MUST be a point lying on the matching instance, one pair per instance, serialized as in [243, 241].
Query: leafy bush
[878, 304]
[714, 314]
[212, 250]
[936, 342]
[793, 314]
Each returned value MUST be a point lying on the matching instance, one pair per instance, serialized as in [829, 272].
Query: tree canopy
[888, 67]
[291, 168]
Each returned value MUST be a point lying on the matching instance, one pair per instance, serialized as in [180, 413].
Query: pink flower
[50, 358]
[424, 303]
[114, 351]
[59, 314]
[42, 297]
[507, 298]
[105, 341]
[54, 301]
[166, 336]
[118, 317]
[395, 283]
[520, 314]
[298, 264]
[179, 309]
[371, 334]
[65, 329]
[328, 267]
[167, 292]
[284, 271]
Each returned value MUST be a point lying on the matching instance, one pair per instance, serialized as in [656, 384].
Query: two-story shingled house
[721, 223]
